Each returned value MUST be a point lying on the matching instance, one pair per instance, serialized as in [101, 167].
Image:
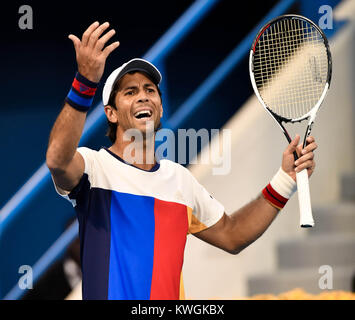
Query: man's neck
[139, 154]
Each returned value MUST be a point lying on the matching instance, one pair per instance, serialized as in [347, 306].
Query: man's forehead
[137, 78]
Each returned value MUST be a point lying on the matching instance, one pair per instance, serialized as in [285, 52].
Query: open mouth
[144, 114]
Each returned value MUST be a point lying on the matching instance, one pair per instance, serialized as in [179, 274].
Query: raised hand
[90, 52]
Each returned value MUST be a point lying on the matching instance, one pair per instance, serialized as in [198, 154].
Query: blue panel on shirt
[93, 212]
[132, 246]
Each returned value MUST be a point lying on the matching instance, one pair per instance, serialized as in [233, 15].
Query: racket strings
[290, 67]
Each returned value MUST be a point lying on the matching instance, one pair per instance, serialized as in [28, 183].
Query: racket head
[290, 67]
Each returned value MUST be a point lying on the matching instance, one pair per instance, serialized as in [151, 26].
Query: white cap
[135, 64]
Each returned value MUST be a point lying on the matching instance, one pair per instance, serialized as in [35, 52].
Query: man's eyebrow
[129, 88]
[135, 87]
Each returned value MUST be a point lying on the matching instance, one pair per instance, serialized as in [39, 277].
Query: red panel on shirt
[171, 227]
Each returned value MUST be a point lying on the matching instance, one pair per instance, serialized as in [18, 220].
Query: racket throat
[288, 139]
[308, 132]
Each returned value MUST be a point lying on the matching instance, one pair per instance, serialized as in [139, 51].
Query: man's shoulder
[91, 156]
[174, 166]
[86, 151]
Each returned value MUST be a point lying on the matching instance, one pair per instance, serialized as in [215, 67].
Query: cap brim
[136, 64]
[142, 66]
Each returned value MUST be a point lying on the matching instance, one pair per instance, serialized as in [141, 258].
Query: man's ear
[111, 114]
[161, 110]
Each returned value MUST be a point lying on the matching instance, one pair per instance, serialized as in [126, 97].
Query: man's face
[137, 102]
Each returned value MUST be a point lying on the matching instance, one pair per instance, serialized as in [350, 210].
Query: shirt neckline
[155, 167]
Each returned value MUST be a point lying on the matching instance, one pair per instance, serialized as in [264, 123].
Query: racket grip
[304, 199]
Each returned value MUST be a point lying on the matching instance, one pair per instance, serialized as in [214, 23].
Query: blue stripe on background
[132, 247]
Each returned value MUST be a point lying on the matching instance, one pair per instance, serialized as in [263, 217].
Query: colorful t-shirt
[133, 225]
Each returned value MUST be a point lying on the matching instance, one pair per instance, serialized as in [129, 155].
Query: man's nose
[142, 96]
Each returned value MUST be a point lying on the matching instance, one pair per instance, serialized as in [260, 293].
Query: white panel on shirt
[171, 182]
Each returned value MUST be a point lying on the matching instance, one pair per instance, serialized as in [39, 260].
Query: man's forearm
[65, 137]
[250, 222]
[235, 232]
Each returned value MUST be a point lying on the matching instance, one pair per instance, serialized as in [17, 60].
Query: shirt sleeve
[206, 210]
[83, 185]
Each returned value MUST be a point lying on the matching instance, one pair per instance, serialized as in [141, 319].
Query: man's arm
[235, 232]
[65, 163]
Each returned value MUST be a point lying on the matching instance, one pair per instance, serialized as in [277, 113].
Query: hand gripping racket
[290, 69]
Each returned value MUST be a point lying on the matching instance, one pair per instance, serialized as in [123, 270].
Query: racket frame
[310, 116]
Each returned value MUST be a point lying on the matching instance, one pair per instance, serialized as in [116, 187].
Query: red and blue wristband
[81, 94]
[280, 189]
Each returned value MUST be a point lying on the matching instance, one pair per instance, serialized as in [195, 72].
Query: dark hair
[112, 127]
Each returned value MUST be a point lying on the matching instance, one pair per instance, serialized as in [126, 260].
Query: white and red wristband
[280, 189]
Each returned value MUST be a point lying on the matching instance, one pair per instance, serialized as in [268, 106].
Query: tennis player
[134, 216]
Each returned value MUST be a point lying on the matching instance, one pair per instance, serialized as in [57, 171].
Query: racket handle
[304, 199]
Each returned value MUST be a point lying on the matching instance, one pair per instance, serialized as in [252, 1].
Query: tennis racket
[290, 69]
